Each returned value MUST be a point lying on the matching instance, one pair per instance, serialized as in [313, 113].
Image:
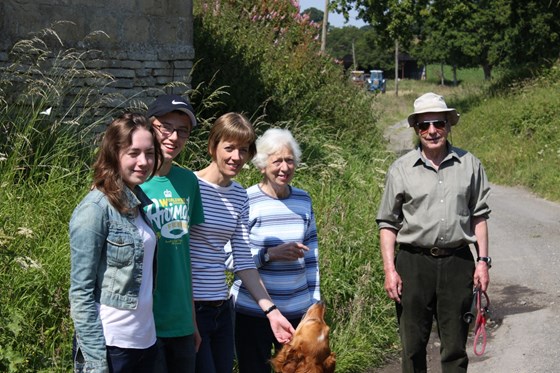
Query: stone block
[145, 82]
[157, 64]
[142, 54]
[162, 72]
[120, 73]
[183, 64]
[136, 30]
[123, 83]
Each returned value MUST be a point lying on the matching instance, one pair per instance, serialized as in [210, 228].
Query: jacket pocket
[120, 248]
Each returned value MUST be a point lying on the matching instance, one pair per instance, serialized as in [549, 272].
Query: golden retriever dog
[309, 350]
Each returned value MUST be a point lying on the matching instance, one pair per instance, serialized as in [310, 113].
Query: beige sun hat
[432, 103]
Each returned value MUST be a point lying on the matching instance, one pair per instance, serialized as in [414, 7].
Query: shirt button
[441, 200]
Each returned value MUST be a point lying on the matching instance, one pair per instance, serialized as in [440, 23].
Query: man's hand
[393, 285]
[481, 277]
[281, 327]
[393, 282]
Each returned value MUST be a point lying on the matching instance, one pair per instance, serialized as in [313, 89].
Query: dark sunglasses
[438, 124]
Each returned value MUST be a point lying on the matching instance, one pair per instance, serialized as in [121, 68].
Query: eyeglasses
[167, 130]
[424, 126]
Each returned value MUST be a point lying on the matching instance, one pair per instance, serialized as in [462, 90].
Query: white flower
[26, 232]
[27, 263]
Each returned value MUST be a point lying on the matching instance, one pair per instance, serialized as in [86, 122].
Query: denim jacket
[107, 254]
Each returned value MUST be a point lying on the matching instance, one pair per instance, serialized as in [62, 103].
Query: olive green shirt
[430, 207]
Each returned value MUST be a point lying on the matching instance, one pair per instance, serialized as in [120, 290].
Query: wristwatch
[266, 256]
[486, 259]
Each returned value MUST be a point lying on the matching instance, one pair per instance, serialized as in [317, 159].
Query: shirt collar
[419, 158]
[135, 197]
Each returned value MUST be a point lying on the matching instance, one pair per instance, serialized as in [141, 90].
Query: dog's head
[309, 350]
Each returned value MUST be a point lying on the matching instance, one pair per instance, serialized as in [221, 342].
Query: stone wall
[143, 44]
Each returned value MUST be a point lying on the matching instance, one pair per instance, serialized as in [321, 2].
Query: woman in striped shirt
[283, 239]
[231, 144]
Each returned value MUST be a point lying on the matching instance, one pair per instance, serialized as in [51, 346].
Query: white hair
[272, 141]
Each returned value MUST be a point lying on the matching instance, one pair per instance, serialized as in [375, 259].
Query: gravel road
[524, 333]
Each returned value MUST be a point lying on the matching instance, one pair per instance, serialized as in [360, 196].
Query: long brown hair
[118, 136]
[232, 127]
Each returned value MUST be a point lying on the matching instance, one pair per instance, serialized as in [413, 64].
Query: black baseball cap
[168, 103]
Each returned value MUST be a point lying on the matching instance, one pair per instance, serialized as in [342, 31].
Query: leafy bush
[525, 115]
[47, 125]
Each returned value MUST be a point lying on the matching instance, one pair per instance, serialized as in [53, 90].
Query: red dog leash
[482, 308]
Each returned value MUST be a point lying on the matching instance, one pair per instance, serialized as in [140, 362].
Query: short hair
[232, 127]
[272, 141]
[106, 169]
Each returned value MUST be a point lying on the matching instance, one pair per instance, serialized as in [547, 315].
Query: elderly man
[434, 205]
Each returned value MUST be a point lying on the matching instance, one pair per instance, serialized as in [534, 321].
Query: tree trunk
[324, 27]
[455, 75]
[396, 67]
[354, 57]
[441, 74]
[487, 68]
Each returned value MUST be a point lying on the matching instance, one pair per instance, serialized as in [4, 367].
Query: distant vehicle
[358, 77]
[376, 82]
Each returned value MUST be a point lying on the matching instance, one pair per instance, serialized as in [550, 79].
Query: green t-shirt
[176, 207]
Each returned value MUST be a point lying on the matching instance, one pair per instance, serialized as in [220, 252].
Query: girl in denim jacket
[112, 250]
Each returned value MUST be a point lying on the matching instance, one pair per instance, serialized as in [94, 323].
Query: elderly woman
[283, 240]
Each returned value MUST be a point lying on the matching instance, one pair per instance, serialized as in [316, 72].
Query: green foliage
[499, 33]
[526, 117]
[43, 168]
[267, 55]
[369, 50]
[314, 14]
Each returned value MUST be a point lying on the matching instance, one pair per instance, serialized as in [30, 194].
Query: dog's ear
[293, 361]
[329, 364]
[286, 361]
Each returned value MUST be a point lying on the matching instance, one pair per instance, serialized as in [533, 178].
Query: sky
[335, 19]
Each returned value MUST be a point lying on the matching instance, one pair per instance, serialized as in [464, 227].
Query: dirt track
[524, 334]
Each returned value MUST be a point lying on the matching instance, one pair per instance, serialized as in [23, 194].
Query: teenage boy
[176, 207]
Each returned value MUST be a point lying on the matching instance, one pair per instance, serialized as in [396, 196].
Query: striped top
[223, 223]
[292, 285]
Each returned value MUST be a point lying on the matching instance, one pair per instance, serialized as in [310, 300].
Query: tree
[464, 33]
[369, 50]
[314, 14]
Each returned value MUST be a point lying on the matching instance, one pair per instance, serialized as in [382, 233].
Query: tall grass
[515, 133]
[46, 127]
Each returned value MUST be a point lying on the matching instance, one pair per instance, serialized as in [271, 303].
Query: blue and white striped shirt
[292, 285]
[223, 222]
